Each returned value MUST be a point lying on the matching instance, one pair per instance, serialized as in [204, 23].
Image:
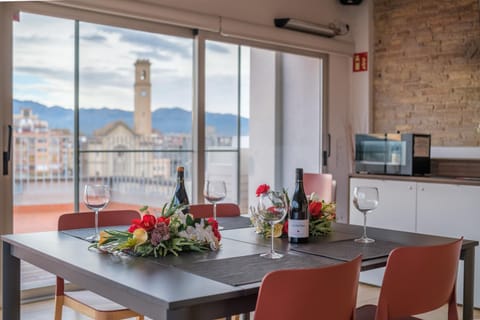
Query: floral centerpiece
[321, 216]
[170, 233]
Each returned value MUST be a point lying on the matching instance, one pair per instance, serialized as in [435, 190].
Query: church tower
[143, 110]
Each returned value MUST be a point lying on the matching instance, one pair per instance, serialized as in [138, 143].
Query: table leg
[245, 316]
[11, 284]
[468, 282]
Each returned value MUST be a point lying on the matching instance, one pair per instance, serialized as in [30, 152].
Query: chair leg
[58, 307]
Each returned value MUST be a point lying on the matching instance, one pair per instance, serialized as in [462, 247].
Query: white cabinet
[396, 207]
[451, 210]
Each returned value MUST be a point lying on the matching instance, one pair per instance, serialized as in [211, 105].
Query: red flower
[315, 209]
[214, 224]
[136, 223]
[263, 188]
[164, 220]
[285, 227]
[148, 222]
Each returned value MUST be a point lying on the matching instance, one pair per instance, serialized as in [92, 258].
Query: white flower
[314, 197]
[201, 233]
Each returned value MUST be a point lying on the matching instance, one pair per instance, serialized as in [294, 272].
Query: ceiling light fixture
[329, 31]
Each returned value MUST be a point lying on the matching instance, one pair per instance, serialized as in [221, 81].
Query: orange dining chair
[205, 210]
[417, 280]
[84, 301]
[321, 293]
[320, 183]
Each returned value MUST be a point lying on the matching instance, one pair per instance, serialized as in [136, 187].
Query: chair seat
[367, 312]
[95, 301]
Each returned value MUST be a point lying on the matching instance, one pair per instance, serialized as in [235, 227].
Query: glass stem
[271, 236]
[364, 224]
[96, 223]
[215, 210]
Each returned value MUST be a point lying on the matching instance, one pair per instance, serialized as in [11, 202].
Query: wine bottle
[298, 218]
[180, 197]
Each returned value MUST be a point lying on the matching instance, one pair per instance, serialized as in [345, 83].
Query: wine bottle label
[297, 228]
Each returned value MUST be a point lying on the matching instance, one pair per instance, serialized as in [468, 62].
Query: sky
[44, 66]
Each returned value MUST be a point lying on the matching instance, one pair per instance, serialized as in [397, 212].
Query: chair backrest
[205, 210]
[320, 183]
[320, 293]
[105, 218]
[418, 280]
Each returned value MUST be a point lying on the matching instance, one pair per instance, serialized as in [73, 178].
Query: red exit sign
[360, 61]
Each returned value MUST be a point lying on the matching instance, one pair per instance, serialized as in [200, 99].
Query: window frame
[199, 37]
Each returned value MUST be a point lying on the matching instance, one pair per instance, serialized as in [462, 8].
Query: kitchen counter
[472, 181]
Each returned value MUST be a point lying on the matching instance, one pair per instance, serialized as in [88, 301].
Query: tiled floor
[43, 310]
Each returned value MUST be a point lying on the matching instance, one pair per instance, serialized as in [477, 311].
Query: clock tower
[143, 112]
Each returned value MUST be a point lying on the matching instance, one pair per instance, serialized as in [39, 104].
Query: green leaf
[190, 221]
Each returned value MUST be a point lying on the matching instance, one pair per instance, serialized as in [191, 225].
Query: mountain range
[166, 120]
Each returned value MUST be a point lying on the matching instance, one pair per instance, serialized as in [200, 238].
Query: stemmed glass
[365, 200]
[96, 197]
[272, 208]
[215, 191]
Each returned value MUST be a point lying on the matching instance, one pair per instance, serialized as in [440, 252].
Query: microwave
[396, 154]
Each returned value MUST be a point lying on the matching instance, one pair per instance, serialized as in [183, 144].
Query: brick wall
[427, 69]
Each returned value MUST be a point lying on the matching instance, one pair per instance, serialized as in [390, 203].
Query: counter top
[471, 181]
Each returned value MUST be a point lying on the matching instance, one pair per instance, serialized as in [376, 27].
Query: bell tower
[143, 112]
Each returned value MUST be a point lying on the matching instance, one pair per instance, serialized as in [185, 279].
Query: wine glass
[96, 197]
[272, 208]
[215, 191]
[365, 200]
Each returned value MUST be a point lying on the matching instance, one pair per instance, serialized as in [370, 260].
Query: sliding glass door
[115, 104]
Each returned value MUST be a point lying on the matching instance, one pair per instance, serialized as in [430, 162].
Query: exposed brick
[427, 69]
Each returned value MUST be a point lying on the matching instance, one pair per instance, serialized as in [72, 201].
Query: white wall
[262, 12]
[340, 119]
[361, 20]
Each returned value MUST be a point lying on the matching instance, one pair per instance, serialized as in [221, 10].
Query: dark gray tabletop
[178, 287]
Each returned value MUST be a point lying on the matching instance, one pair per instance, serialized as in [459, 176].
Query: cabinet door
[397, 204]
[453, 211]
[396, 210]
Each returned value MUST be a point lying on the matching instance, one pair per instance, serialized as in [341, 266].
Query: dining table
[202, 285]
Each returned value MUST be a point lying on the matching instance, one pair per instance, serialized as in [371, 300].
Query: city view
[134, 117]
[44, 155]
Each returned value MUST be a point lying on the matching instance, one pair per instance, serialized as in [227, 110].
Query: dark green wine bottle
[180, 197]
[298, 218]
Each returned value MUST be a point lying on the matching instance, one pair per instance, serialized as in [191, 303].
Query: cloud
[216, 47]
[44, 65]
[94, 38]
[50, 72]
[154, 42]
[90, 77]
[152, 55]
